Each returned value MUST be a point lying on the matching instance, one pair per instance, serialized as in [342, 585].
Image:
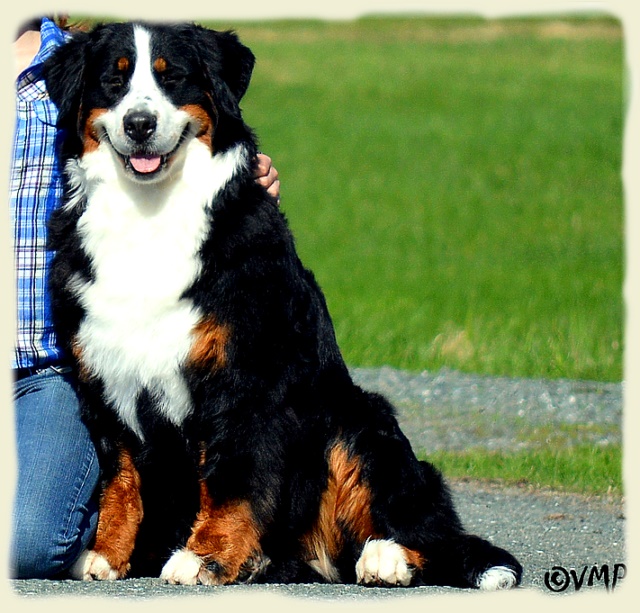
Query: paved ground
[544, 529]
[571, 540]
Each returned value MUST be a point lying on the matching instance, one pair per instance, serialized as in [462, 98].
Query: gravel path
[570, 539]
[454, 411]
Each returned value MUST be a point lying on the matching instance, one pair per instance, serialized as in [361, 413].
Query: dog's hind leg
[118, 522]
[448, 555]
[414, 522]
[345, 527]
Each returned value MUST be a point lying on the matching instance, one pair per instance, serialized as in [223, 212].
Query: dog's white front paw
[186, 568]
[91, 565]
[383, 562]
[497, 578]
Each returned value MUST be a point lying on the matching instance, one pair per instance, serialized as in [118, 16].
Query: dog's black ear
[237, 63]
[64, 77]
[225, 58]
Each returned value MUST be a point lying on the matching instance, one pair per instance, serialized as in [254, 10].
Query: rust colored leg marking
[225, 534]
[120, 516]
[414, 558]
[353, 497]
[345, 508]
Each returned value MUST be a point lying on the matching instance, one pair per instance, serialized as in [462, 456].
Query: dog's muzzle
[139, 126]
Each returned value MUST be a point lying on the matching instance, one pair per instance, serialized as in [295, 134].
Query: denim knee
[39, 552]
[55, 513]
[35, 552]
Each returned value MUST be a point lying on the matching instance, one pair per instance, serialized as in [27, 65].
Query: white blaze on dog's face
[146, 129]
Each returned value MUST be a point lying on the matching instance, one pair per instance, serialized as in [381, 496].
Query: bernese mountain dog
[233, 444]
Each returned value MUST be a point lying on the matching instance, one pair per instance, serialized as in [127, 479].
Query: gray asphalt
[543, 529]
[572, 540]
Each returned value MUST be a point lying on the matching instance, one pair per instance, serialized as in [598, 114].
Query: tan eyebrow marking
[123, 64]
[160, 65]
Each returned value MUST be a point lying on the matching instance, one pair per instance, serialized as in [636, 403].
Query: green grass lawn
[455, 185]
[583, 469]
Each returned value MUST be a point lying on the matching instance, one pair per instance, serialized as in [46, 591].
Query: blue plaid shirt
[35, 190]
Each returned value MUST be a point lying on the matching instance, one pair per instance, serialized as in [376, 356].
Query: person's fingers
[267, 175]
[263, 166]
[274, 190]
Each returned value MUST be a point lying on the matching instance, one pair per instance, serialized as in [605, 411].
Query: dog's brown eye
[170, 78]
[114, 82]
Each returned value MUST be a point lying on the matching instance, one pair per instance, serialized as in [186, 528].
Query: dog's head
[146, 90]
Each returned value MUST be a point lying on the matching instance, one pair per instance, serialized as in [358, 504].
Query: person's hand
[267, 176]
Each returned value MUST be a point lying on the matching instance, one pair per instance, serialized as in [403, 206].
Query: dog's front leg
[223, 548]
[118, 523]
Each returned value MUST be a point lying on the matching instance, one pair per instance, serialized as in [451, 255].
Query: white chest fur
[144, 241]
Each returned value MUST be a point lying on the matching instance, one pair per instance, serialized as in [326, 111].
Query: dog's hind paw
[383, 562]
[497, 578]
[91, 565]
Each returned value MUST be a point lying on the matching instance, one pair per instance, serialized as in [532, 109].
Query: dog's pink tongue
[145, 163]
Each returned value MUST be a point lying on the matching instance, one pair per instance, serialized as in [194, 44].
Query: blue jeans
[55, 513]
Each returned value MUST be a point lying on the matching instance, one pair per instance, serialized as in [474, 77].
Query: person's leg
[54, 515]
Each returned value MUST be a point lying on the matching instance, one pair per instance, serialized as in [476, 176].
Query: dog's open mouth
[146, 165]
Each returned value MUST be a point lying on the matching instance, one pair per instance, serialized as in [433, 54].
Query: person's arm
[267, 175]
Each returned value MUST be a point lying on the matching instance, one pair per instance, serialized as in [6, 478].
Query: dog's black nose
[139, 125]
